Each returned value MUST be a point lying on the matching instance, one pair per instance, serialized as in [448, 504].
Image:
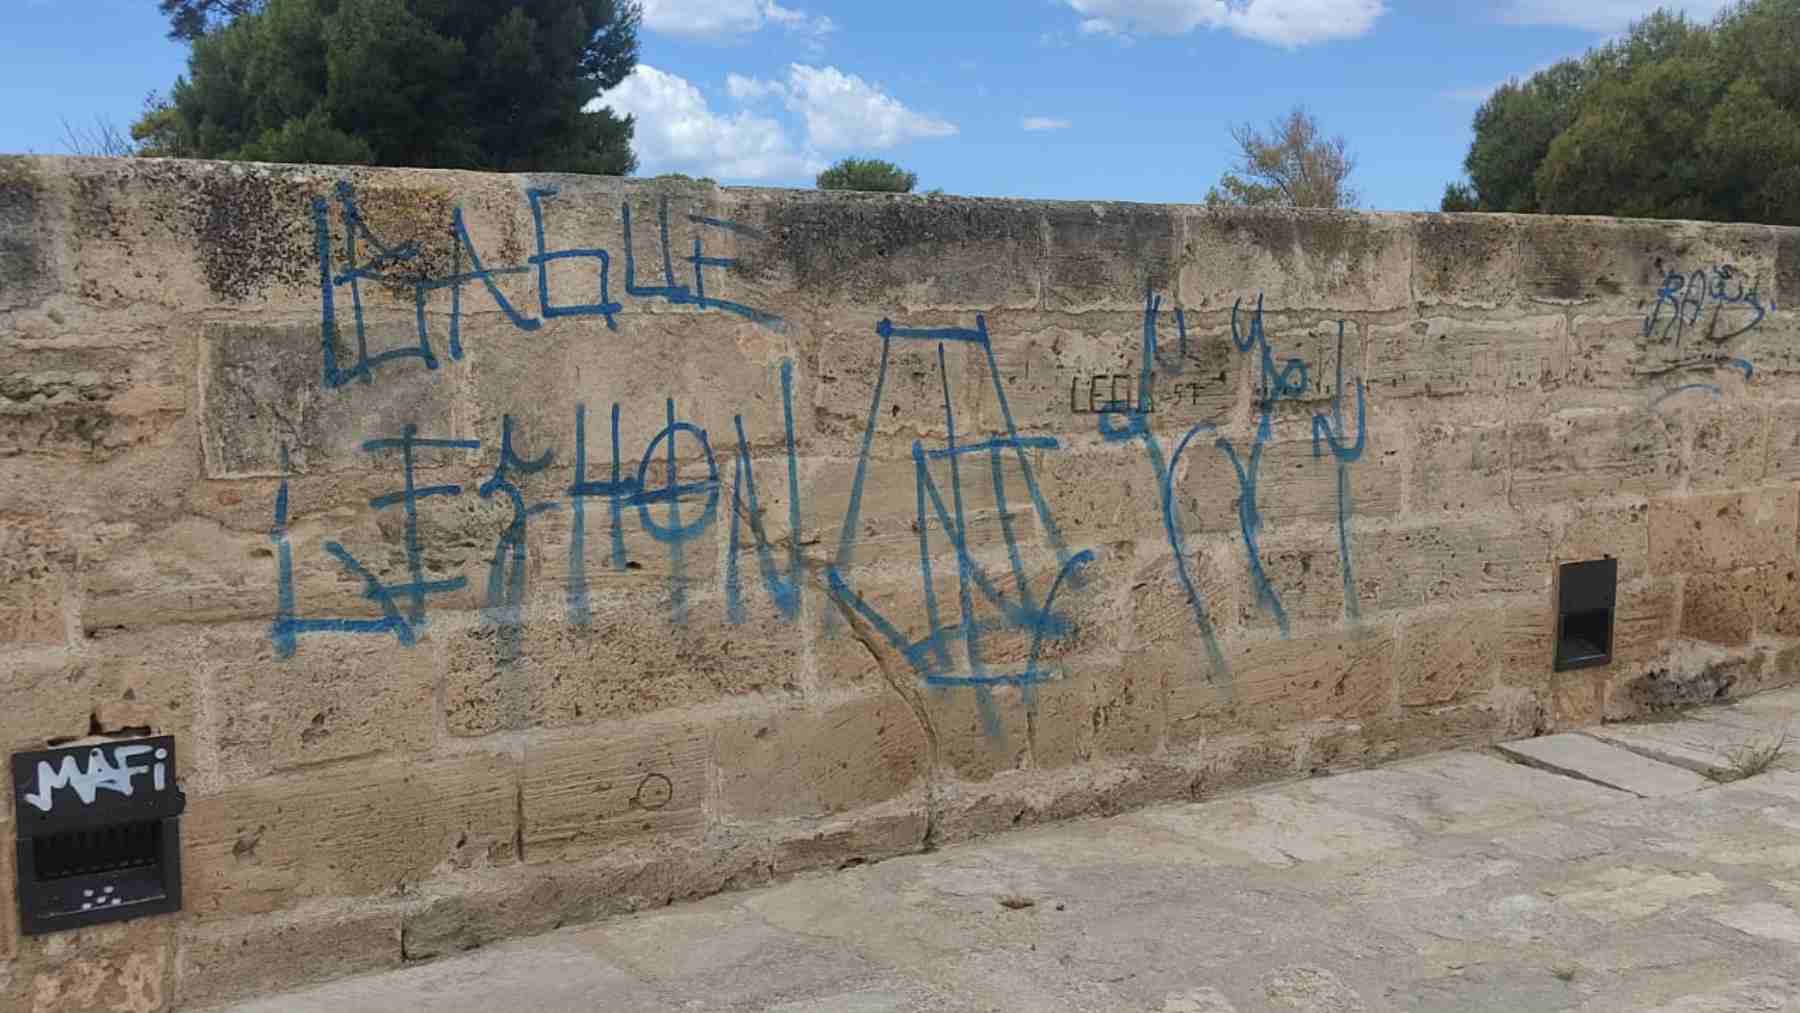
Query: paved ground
[1461, 882]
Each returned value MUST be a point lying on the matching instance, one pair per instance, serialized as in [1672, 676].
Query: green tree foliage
[867, 174]
[1292, 165]
[1674, 120]
[190, 19]
[470, 84]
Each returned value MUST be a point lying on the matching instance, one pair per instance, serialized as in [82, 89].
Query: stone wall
[508, 551]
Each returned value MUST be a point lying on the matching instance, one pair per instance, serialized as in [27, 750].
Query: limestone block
[123, 967]
[1580, 456]
[1643, 619]
[1304, 570]
[585, 792]
[885, 508]
[1724, 608]
[1481, 721]
[1447, 657]
[1109, 492]
[1234, 761]
[1400, 567]
[904, 392]
[1780, 615]
[1440, 355]
[219, 961]
[944, 252]
[1588, 532]
[1457, 466]
[1294, 479]
[1527, 648]
[1623, 265]
[1730, 444]
[26, 266]
[36, 564]
[1167, 630]
[866, 835]
[813, 763]
[88, 406]
[1007, 606]
[1727, 531]
[1784, 441]
[636, 655]
[1297, 259]
[1130, 711]
[1277, 682]
[1578, 698]
[1060, 372]
[265, 393]
[982, 732]
[1100, 252]
[715, 368]
[1465, 262]
[349, 829]
[115, 684]
[337, 698]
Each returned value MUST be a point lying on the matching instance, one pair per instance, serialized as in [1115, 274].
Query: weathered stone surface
[1440, 356]
[1445, 658]
[1349, 263]
[1457, 466]
[1711, 534]
[240, 958]
[633, 658]
[1724, 608]
[789, 764]
[353, 699]
[1581, 456]
[1620, 532]
[348, 829]
[583, 792]
[1465, 262]
[266, 397]
[35, 566]
[1274, 682]
[482, 676]
[1592, 760]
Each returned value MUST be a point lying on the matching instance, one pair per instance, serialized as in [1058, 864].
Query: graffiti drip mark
[1713, 389]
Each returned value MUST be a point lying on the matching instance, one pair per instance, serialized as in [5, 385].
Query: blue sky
[1074, 99]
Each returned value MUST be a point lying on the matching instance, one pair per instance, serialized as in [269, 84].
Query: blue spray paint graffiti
[1136, 426]
[675, 511]
[1684, 299]
[1736, 308]
[287, 627]
[1287, 381]
[506, 574]
[931, 656]
[382, 267]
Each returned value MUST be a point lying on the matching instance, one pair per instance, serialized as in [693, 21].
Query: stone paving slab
[1427, 887]
[1590, 759]
[1711, 748]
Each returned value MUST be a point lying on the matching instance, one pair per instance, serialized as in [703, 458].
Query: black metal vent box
[1586, 594]
[99, 833]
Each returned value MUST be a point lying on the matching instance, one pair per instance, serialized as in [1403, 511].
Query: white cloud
[723, 19]
[749, 89]
[1289, 23]
[1045, 123]
[842, 111]
[677, 132]
[1600, 16]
